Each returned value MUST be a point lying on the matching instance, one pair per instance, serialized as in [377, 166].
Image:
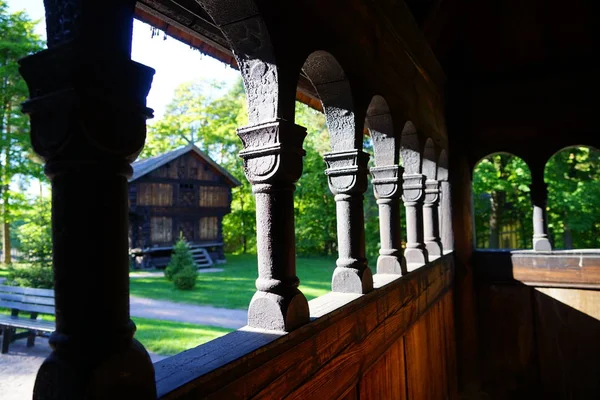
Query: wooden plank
[450, 344]
[386, 378]
[559, 268]
[568, 336]
[26, 323]
[577, 269]
[325, 357]
[426, 371]
[507, 341]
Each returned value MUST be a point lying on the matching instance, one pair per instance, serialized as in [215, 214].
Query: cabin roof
[143, 167]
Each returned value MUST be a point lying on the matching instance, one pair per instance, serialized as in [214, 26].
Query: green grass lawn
[164, 337]
[168, 338]
[234, 287]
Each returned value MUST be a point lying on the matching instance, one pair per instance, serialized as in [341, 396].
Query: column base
[415, 258]
[352, 280]
[434, 249]
[276, 312]
[391, 265]
[542, 244]
[128, 374]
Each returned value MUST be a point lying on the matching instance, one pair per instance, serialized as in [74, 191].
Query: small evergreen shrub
[186, 278]
[182, 268]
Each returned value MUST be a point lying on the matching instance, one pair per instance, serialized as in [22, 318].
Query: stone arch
[381, 127]
[442, 166]
[242, 24]
[429, 166]
[332, 85]
[410, 151]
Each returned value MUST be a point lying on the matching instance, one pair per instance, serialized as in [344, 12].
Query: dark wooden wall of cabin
[177, 199]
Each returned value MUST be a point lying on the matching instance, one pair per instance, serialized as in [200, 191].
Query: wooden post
[445, 216]
[88, 112]
[387, 185]
[347, 175]
[273, 163]
[413, 193]
[539, 198]
[430, 219]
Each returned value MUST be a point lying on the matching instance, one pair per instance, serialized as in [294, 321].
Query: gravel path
[18, 368]
[179, 312]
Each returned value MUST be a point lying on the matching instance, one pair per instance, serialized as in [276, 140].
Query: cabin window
[155, 194]
[214, 196]
[161, 229]
[209, 228]
[186, 194]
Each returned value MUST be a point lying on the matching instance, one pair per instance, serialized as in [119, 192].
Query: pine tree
[182, 268]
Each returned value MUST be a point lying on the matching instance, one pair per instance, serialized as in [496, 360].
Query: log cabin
[438, 85]
[181, 193]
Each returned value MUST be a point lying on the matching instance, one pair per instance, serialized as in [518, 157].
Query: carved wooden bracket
[412, 188]
[387, 181]
[432, 193]
[103, 118]
[272, 151]
[347, 172]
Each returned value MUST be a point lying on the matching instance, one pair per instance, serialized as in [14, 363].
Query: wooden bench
[28, 300]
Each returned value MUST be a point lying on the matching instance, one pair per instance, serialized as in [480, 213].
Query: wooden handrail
[248, 361]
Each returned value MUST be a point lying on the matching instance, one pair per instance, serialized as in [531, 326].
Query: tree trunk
[6, 243]
[497, 201]
[568, 238]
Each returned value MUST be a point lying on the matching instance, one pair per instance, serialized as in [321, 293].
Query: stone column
[387, 185]
[430, 219]
[273, 163]
[539, 198]
[347, 174]
[445, 216]
[88, 122]
[413, 193]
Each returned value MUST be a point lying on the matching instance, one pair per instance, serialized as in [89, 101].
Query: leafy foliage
[18, 163]
[182, 268]
[502, 200]
[573, 178]
[35, 237]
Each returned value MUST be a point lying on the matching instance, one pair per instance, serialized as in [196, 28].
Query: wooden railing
[539, 323]
[396, 341]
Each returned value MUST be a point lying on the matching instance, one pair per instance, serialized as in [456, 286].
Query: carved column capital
[85, 109]
[432, 193]
[387, 181]
[347, 171]
[413, 188]
[272, 152]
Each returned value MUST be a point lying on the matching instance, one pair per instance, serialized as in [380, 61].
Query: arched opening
[502, 203]
[346, 170]
[572, 176]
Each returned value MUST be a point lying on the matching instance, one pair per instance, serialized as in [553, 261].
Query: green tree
[314, 204]
[35, 238]
[182, 269]
[501, 200]
[17, 160]
[573, 179]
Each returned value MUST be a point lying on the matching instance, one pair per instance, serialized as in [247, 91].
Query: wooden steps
[201, 257]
